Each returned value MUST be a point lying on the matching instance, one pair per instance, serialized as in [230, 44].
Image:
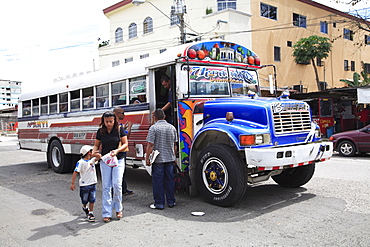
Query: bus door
[162, 94]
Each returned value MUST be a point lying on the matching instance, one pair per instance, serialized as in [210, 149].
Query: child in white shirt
[86, 168]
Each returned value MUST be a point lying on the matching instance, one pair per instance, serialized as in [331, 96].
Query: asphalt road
[37, 208]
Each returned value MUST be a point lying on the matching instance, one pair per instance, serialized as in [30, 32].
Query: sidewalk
[8, 138]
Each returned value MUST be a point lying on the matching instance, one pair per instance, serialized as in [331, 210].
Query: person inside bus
[120, 113]
[113, 140]
[167, 108]
[141, 98]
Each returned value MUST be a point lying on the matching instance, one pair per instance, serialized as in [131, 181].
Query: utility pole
[179, 9]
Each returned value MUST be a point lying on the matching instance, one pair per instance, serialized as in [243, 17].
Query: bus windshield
[220, 81]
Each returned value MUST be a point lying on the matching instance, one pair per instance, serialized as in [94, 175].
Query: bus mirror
[271, 83]
[182, 80]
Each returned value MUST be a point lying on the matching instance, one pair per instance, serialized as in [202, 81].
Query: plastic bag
[111, 161]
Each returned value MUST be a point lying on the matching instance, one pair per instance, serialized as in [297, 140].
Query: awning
[363, 95]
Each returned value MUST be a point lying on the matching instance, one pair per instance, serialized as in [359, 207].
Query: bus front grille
[289, 122]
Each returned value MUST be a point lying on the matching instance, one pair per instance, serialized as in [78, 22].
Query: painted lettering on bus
[79, 135]
[38, 124]
[199, 73]
[289, 107]
[217, 75]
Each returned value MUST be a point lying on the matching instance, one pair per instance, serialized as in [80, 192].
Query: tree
[356, 82]
[307, 49]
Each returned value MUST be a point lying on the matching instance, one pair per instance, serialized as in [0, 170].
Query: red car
[349, 143]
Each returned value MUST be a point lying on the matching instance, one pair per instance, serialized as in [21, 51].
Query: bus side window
[44, 105]
[87, 98]
[26, 108]
[75, 100]
[63, 102]
[137, 90]
[119, 93]
[35, 107]
[102, 96]
[53, 105]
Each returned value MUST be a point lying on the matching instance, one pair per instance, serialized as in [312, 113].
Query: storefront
[336, 109]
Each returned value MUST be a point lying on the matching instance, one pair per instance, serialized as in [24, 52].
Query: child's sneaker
[86, 210]
[91, 217]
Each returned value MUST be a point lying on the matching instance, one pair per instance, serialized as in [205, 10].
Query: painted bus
[229, 136]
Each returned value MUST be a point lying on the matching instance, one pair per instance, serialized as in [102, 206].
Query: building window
[299, 20]
[353, 66]
[268, 11]
[346, 67]
[289, 43]
[115, 63]
[162, 50]
[127, 60]
[367, 68]
[175, 20]
[148, 25]
[132, 31]
[226, 4]
[347, 34]
[144, 56]
[319, 62]
[119, 35]
[367, 39]
[323, 27]
[277, 54]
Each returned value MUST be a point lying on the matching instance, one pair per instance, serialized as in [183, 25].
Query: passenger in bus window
[113, 140]
[166, 83]
[120, 113]
[141, 98]
[106, 102]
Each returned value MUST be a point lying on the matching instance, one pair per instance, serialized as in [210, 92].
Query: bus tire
[57, 159]
[295, 177]
[221, 175]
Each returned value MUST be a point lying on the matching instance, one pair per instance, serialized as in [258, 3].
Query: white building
[140, 31]
[9, 93]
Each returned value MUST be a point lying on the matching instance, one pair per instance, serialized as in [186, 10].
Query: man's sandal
[119, 215]
[106, 219]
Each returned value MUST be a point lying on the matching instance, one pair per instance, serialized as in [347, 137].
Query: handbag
[120, 142]
[182, 179]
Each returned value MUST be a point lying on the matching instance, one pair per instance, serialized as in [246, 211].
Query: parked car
[349, 143]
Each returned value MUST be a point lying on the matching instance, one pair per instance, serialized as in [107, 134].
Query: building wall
[9, 93]
[245, 26]
[164, 35]
[282, 30]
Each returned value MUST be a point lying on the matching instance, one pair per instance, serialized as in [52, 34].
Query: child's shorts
[88, 194]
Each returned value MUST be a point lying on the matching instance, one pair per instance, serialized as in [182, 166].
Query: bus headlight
[248, 140]
[317, 133]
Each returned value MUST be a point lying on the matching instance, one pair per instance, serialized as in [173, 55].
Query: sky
[43, 40]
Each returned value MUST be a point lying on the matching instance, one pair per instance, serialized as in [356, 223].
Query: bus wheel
[295, 177]
[57, 158]
[221, 175]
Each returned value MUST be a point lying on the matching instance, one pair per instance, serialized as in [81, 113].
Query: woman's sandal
[119, 215]
[106, 219]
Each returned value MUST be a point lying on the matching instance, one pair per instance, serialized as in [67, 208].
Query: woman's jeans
[163, 184]
[112, 178]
